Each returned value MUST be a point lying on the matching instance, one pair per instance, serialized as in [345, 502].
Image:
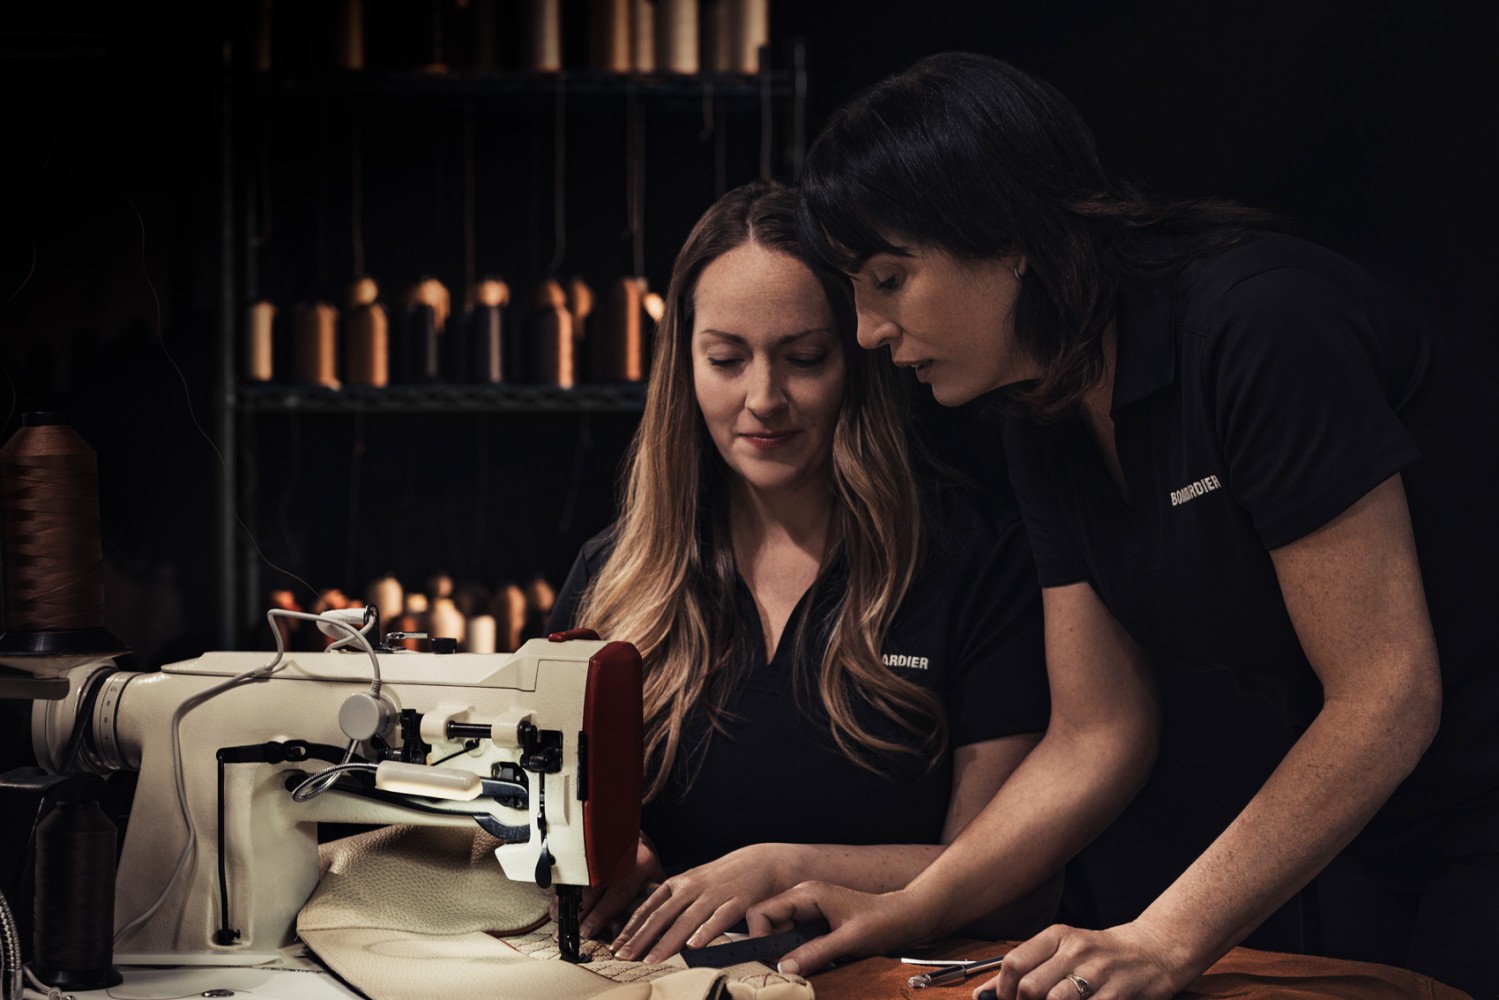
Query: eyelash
[888, 284]
[808, 362]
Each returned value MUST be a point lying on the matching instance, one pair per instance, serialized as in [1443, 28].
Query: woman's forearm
[1329, 785]
[866, 867]
[1063, 794]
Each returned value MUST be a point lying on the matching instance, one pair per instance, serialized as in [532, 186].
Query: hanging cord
[580, 465]
[469, 252]
[765, 123]
[634, 176]
[187, 396]
[259, 673]
[322, 196]
[559, 176]
[283, 504]
[356, 190]
[481, 494]
[31, 270]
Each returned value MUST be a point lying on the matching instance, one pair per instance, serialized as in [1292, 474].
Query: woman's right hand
[862, 923]
[600, 906]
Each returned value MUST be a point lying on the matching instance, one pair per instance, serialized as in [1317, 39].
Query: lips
[919, 365]
[768, 440]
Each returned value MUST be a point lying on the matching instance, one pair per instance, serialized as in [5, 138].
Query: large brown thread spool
[315, 344]
[643, 35]
[551, 339]
[350, 51]
[544, 36]
[718, 36]
[49, 526]
[609, 35]
[618, 353]
[486, 35]
[74, 916]
[260, 344]
[676, 36]
[751, 31]
[366, 336]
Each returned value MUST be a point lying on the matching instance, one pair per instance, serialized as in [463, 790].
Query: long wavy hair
[969, 155]
[669, 584]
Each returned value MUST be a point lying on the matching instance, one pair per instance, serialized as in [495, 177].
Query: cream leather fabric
[419, 913]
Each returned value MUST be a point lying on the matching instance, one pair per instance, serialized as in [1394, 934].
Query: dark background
[1373, 125]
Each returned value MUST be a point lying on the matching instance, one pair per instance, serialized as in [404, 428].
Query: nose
[874, 330]
[765, 393]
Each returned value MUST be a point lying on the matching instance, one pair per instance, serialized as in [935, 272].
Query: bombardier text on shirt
[901, 660]
[1192, 491]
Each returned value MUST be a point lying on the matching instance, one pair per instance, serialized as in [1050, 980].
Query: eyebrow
[785, 339]
[858, 262]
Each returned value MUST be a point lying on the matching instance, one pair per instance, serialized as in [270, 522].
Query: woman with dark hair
[840, 668]
[1231, 449]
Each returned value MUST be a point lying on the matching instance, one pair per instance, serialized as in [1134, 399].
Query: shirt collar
[1146, 346]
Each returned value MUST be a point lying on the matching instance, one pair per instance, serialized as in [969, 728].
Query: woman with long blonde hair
[843, 658]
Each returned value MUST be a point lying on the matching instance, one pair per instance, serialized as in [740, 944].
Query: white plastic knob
[363, 716]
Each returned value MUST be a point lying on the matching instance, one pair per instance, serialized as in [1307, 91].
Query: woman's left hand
[1127, 962]
[693, 908]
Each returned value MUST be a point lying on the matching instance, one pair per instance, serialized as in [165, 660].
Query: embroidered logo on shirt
[1192, 491]
[902, 660]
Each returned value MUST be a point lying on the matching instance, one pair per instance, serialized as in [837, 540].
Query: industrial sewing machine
[239, 763]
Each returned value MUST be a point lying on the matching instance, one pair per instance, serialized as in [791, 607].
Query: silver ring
[1083, 989]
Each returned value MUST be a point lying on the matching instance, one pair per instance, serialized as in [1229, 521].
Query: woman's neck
[796, 517]
[779, 538]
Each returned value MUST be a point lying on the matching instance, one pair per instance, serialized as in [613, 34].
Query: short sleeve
[1057, 561]
[998, 685]
[1303, 383]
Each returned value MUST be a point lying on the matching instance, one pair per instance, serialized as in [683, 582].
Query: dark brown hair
[969, 155]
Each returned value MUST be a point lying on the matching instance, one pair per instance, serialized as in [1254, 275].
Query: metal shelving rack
[775, 89]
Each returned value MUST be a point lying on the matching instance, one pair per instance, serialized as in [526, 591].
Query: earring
[1018, 276]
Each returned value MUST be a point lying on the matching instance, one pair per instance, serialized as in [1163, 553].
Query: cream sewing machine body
[541, 747]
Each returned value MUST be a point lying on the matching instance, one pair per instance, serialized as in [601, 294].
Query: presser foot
[569, 898]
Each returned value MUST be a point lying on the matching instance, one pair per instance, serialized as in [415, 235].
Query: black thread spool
[420, 347]
[73, 940]
[49, 542]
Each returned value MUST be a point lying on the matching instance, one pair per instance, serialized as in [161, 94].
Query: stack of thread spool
[447, 36]
[481, 619]
[571, 335]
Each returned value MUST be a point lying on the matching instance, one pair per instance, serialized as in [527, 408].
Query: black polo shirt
[1258, 394]
[969, 630]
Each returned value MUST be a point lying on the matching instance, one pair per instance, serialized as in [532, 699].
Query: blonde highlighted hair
[669, 583]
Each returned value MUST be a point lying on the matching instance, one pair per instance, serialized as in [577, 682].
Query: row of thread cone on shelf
[564, 335]
[536, 36]
[480, 619]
